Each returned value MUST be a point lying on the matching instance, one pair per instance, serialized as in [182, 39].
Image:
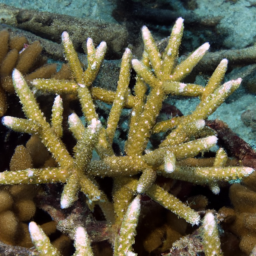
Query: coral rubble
[136, 170]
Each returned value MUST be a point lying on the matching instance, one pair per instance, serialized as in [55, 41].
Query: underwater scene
[128, 127]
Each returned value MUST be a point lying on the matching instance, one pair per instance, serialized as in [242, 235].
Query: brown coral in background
[16, 53]
[241, 220]
[243, 198]
[17, 205]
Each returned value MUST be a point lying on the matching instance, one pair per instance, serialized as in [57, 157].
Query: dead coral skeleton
[188, 136]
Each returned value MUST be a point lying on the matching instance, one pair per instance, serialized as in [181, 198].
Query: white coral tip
[64, 203]
[101, 49]
[18, 78]
[169, 167]
[238, 80]
[201, 50]
[178, 25]
[58, 100]
[145, 33]
[7, 120]
[127, 51]
[247, 171]
[169, 162]
[35, 232]
[73, 119]
[80, 236]
[89, 41]
[179, 20]
[209, 223]
[65, 36]
[224, 62]
[205, 46]
[211, 140]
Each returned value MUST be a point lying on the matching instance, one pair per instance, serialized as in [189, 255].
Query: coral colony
[134, 172]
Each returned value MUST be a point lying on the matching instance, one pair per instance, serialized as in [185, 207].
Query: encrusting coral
[135, 171]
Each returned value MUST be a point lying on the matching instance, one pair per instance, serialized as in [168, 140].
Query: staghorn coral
[123, 242]
[211, 236]
[135, 171]
[43, 245]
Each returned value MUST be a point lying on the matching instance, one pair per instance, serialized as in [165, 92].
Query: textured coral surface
[129, 181]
